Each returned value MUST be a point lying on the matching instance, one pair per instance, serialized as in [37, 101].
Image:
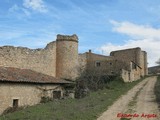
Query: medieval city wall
[58, 58]
[67, 56]
[40, 60]
[61, 59]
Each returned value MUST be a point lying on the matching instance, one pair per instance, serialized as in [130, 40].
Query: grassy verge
[157, 91]
[88, 108]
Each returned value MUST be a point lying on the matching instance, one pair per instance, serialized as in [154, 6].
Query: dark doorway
[15, 103]
[129, 76]
[56, 94]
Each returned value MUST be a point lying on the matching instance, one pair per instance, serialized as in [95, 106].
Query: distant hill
[154, 70]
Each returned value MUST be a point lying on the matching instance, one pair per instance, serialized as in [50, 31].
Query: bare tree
[91, 80]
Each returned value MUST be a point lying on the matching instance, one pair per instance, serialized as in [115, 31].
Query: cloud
[24, 11]
[144, 36]
[136, 31]
[14, 8]
[19, 12]
[36, 5]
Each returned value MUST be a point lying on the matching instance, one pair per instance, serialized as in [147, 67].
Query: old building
[23, 87]
[60, 59]
[130, 64]
[26, 75]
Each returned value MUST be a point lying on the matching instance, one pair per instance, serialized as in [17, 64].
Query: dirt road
[138, 104]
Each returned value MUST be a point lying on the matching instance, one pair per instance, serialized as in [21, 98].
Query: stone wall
[129, 76]
[128, 55]
[145, 63]
[142, 63]
[27, 94]
[108, 65]
[82, 60]
[61, 59]
[125, 75]
[40, 60]
[67, 56]
[131, 64]
[135, 74]
[135, 55]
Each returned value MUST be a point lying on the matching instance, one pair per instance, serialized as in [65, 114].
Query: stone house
[23, 87]
[130, 64]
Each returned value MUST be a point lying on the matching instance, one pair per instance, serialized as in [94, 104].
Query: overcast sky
[101, 25]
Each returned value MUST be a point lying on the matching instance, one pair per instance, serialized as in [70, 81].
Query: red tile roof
[10, 74]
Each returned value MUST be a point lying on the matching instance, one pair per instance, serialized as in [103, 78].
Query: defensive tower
[67, 56]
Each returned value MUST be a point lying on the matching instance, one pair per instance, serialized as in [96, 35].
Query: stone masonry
[57, 59]
[33, 71]
[61, 59]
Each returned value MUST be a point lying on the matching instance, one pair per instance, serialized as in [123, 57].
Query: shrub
[45, 99]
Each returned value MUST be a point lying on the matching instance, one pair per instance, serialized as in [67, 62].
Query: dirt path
[138, 104]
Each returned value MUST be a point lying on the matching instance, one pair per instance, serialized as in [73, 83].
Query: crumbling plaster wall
[27, 94]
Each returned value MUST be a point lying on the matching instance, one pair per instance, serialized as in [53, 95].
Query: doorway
[56, 94]
[15, 103]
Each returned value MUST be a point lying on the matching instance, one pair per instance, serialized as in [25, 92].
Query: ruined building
[27, 75]
[130, 64]
[58, 59]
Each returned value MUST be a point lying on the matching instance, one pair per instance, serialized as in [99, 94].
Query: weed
[157, 91]
[87, 108]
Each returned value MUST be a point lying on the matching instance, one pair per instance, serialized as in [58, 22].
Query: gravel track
[138, 104]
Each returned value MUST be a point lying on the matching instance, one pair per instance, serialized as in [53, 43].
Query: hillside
[154, 70]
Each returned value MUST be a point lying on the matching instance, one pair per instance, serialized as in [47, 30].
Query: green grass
[88, 108]
[157, 91]
[133, 102]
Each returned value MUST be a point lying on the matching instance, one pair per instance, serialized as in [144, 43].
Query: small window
[110, 63]
[97, 64]
[15, 103]
[134, 66]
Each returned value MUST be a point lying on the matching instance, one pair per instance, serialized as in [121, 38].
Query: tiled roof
[10, 74]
